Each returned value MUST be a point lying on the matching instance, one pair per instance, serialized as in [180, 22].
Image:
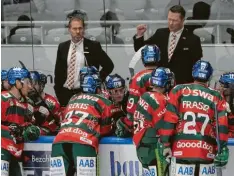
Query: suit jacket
[94, 55]
[188, 50]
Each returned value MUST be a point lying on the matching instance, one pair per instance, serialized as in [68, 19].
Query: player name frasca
[197, 105]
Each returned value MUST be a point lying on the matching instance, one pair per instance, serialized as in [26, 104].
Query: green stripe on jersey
[150, 99]
[168, 126]
[172, 108]
[106, 121]
[16, 110]
[146, 100]
[6, 134]
[223, 129]
[143, 80]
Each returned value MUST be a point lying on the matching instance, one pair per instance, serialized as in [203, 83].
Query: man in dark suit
[74, 54]
[180, 49]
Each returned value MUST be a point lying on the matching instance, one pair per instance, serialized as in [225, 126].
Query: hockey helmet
[226, 79]
[17, 73]
[202, 71]
[150, 55]
[162, 77]
[90, 83]
[88, 70]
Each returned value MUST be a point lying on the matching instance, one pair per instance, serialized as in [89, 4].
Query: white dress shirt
[80, 62]
[178, 34]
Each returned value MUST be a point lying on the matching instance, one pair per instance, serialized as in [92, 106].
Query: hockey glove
[221, 158]
[16, 132]
[41, 114]
[122, 130]
[31, 133]
[164, 152]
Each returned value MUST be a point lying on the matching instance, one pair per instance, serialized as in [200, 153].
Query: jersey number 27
[187, 126]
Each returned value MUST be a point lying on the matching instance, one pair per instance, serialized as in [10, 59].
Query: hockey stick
[218, 169]
[162, 166]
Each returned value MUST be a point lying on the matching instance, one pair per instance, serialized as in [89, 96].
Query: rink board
[117, 157]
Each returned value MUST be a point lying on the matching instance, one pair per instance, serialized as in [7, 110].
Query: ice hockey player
[87, 119]
[4, 81]
[118, 94]
[149, 115]
[227, 89]
[47, 111]
[140, 83]
[189, 130]
[16, 121]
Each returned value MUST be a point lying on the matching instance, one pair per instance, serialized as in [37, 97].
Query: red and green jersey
[148, 115]
[55, 117]
[13, 111]
[190, 120]
[87, 119]
[139, 84]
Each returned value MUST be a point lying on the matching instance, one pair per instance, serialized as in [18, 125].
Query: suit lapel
[66, 48]
[165, 44]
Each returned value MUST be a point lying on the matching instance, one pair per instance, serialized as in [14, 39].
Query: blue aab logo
[4, 166]
[56, 163]
[208, 170]
[186, 170]
[87, 163]
[128, 168]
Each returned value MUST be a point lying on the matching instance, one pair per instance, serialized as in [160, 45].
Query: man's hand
[221, 159]
[141, 30]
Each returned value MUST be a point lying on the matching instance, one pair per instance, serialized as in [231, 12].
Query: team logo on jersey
[186, 91]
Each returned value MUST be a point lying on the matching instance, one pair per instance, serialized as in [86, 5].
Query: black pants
[65, 94]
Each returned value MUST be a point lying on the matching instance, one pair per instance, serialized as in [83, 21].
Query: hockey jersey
[49, 123]
[13, 111]
[87, 119]
[148, 116]
[139, 84]
[190, 120]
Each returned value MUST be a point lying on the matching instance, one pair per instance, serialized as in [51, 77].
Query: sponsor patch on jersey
[4, 168]
[86, 166]
[177, 153]
[86, 140]
[57, 166]
[207, 170]
[185, 170]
